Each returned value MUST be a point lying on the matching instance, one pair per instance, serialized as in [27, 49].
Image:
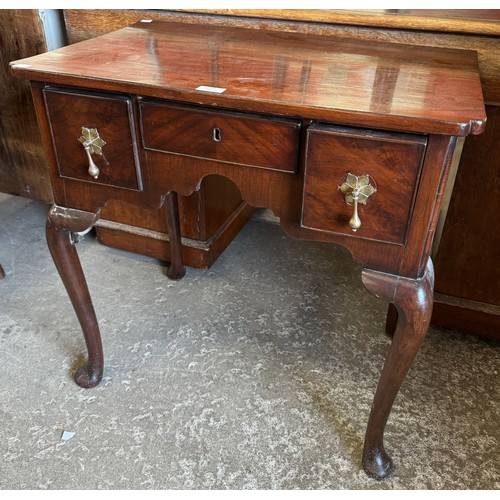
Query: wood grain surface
[23, 167]
[436, 91]
[393, 162]
[112, 117]
[233, 137]
[83, 24]
[480, 21]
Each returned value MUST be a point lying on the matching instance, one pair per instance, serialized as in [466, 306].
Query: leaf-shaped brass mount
[92, 143]
[357, 189]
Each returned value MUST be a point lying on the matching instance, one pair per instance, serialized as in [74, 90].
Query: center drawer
[231, 137]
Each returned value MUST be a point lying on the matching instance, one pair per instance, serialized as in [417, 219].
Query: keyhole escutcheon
[217, 135]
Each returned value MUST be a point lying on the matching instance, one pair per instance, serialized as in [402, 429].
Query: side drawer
[231, 137]
[112, 116]
[391, 160]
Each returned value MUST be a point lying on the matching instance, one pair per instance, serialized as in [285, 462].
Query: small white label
[206, 88]
[21, 65]
[146, 20]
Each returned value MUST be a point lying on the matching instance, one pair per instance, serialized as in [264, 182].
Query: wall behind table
[23, 168]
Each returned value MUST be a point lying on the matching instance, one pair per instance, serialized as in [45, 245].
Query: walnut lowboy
[347, 142]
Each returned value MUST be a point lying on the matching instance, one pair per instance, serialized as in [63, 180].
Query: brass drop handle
[92, 143]
[357, 189]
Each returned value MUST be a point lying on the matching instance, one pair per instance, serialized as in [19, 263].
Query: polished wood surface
[24, 170]
[459, 29]
[335, 78]
[82, 24]
[412, 168]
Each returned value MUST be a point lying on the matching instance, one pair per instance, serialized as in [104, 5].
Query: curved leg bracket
[61, 223]
[413, 299]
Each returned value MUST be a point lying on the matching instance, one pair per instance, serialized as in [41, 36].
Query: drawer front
[392, 162]
[112, 117]
[217, 135]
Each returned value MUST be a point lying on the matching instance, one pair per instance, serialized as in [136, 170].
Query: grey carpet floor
[256, 374]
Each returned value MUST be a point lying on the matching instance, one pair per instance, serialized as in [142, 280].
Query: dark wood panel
[466, 319]
[23, 167]
[201, 214]
[191, 216]
[469, 249]
[220, 197]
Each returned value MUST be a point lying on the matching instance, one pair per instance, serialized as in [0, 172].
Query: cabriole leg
[61, 222]
[176, 269]
[413, 299]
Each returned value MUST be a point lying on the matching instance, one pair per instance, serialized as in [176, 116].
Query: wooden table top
[380, 85]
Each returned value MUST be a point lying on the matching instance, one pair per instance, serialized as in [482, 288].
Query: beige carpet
[256, 374]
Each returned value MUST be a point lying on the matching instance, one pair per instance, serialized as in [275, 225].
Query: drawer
[391, 160]
[239, 138]
[112, 117]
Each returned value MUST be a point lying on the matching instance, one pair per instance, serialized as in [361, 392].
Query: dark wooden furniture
[209, 219]
[310, 126]
[467, 287]
[468, 276]
[23, 166]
